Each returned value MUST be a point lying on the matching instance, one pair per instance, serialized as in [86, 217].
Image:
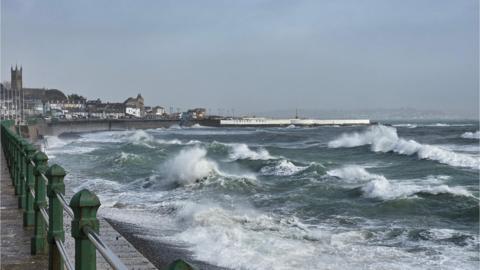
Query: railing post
[12, 152]
[85, 205]
[11, 149]
[39, 243]
[55, 175]
[22, 200]
[17, 165]
[29, 214]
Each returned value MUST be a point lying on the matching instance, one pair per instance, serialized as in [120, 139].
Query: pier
[41, 230]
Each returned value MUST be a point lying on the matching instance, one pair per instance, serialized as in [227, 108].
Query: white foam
[471, 135]
[354, 174]
[405, 125]
[446, 125]
[125, 157]
[190, 165]
[177, 142]
[385, 139]
[54, 142]
[243, 238]
[139, 136]
[378, 186]
[472, 149]
[54, 145]
[242, 151]
[282, 168]
[384, 189]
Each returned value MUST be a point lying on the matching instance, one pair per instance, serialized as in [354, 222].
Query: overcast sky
[253, 56]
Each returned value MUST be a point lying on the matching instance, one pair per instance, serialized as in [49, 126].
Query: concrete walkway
[15, 239]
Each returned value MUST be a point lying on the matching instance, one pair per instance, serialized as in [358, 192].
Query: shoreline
[159, 253]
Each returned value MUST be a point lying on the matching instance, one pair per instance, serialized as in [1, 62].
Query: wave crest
[354, 174]
[379, 187]
[385, 139]
[471, 135]
[242, 151]
[282, 168]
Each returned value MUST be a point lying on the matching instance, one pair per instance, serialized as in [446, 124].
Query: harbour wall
[287, 122]
[82, 126]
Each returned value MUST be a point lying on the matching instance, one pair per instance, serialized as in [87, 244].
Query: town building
[135, 106]
[195, 114]
[97, 109]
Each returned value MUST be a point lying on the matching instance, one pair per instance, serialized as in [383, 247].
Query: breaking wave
[54, 145]
[242, 151]
[282, 168]
[354, 174]
[385, 139]
[383, 189]
[405, 125]
[471, 135]
[54, 142]
[446, 125]
[378, 186]
[191, 165]
[177, 142]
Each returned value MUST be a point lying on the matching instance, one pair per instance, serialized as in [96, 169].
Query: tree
[76, 97]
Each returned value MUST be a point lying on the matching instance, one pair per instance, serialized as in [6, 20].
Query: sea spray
[190, 165]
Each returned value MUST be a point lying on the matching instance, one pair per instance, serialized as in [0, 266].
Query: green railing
[40, 190]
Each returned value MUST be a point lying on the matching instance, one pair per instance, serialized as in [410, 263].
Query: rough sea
[402, 195]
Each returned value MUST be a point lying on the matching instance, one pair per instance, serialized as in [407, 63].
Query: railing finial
[55, 175]
[85, 205]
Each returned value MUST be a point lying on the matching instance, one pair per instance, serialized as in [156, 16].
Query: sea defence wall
[288, 122]
[81, 126]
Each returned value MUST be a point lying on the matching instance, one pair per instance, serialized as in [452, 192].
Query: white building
[136, 112]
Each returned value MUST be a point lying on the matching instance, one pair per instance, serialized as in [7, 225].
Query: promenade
[15, 239]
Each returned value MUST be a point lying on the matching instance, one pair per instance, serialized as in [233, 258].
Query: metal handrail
[64, 204]
[44, 177]
[44, 215]
[106, 252]
[63, 253]
[95, 240]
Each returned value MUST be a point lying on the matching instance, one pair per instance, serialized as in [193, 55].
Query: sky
[251, 56]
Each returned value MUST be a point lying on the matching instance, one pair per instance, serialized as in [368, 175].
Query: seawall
[80, 126]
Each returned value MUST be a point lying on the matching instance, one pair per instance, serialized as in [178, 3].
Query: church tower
[16, 82]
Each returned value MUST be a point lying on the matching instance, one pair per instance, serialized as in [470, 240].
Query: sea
[395, 195]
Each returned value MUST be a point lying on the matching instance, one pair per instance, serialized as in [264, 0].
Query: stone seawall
[80, 126]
